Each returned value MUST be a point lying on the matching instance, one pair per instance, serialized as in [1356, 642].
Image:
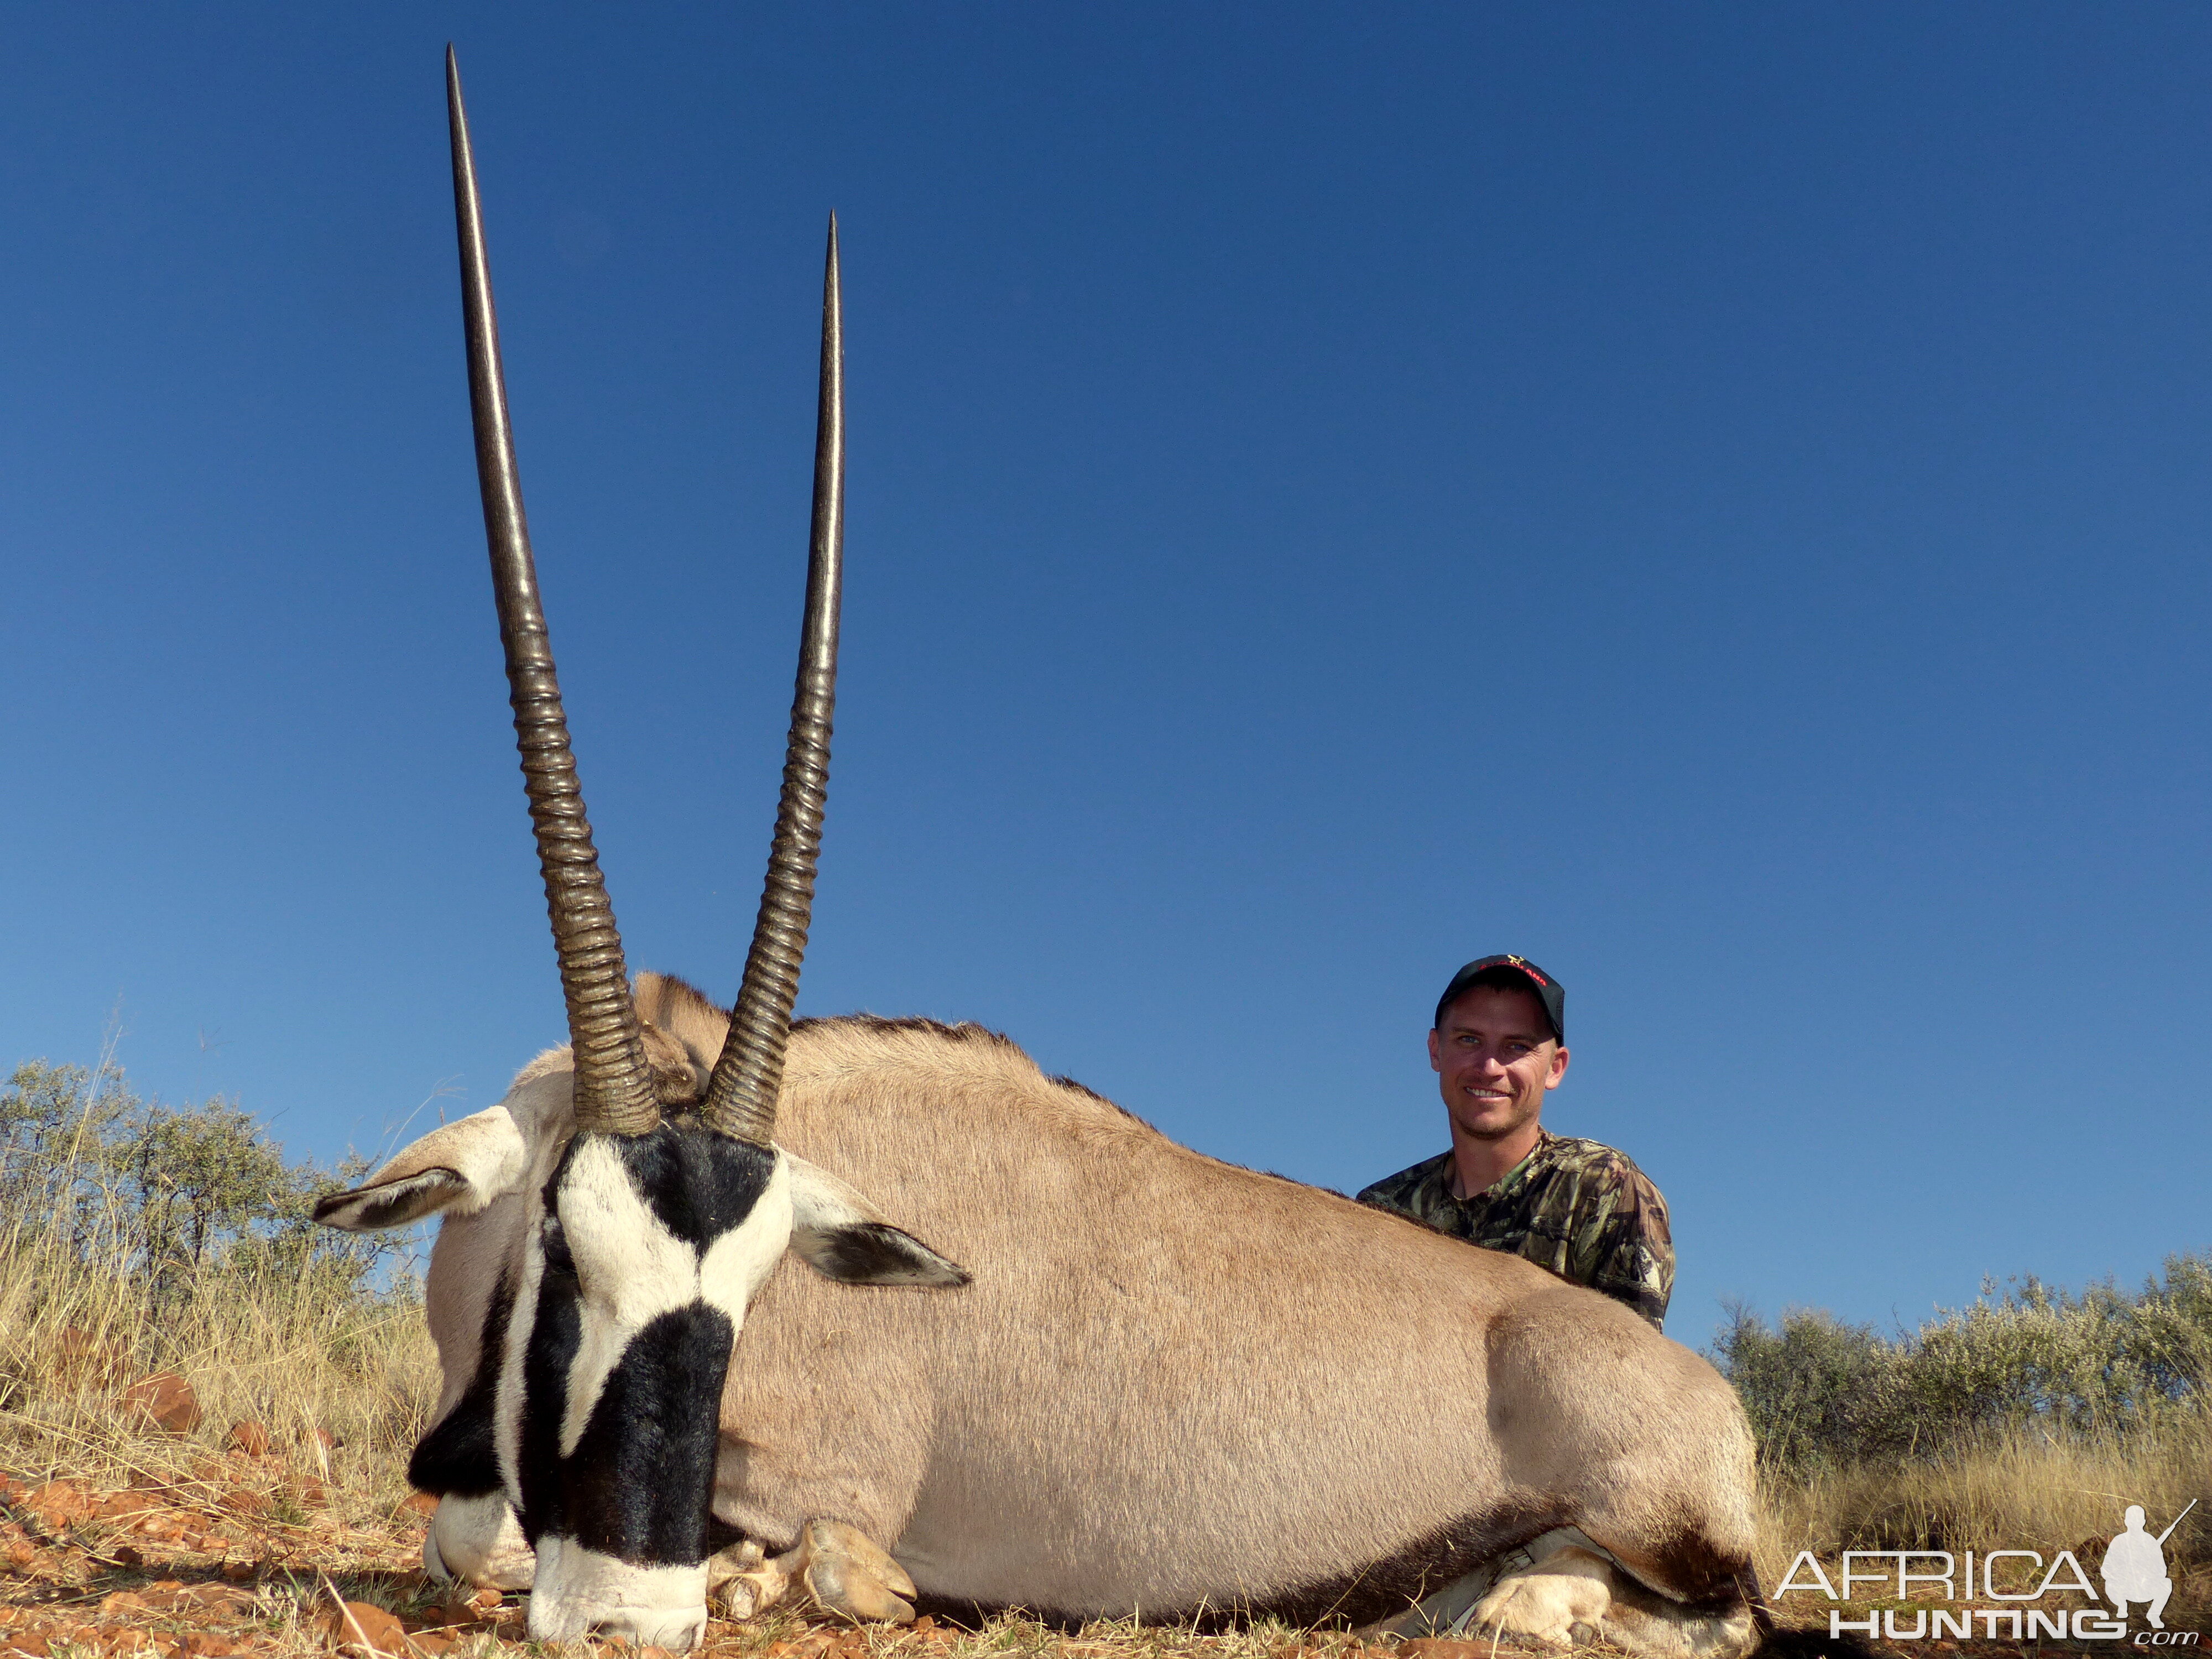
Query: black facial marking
[639, 1485]
[642, 1476]
[458, 1455]
[556, 1334]
[700, 1183]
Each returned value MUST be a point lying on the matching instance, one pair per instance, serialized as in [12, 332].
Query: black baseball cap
[1550, 994]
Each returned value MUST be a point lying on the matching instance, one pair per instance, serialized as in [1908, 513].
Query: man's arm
[1622, 1245]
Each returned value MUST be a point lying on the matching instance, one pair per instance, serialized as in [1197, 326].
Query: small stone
[58, 1504]
[165, 1401]
[364, 1630]
[248, 1438]
[419, 1502]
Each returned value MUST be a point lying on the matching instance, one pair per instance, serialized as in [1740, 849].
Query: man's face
[1494, 1056]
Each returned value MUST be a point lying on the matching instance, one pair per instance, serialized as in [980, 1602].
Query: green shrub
[182, 1195]
[136, 1239]
[1825, 1394]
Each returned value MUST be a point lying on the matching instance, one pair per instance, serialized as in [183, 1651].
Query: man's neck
[1478, 1165]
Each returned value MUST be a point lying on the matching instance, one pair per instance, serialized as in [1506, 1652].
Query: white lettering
[1882, 1577]
[1989, 1616]
[2053, 1624]
[2081, 1579]
[1906, 1557]
[1820, 1579]
[2091, 1626]
[1919, 1625]
[1959, 1626]
[1838, 1624]
[1990, 1575]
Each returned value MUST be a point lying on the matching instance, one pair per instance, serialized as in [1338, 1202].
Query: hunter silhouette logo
[2135, 1567]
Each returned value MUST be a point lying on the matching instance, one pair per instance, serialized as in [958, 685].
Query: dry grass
[256, 1343]
[116, 1536]
[2018, 1492]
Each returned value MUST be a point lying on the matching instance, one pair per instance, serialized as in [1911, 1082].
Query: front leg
[834, 1567]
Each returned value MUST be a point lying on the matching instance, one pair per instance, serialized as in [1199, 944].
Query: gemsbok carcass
[1153, 1384]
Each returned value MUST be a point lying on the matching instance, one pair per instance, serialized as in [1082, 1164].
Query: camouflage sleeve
[1625, 1247]
[1418, 1192]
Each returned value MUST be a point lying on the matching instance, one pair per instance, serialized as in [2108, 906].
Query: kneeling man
[1508, 1183]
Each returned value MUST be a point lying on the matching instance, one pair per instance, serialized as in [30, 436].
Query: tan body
[1175, 1386]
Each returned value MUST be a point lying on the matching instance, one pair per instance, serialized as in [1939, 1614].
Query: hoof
[849, 1574]
[741, 1583]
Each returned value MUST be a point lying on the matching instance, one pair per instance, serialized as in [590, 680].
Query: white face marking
[578, 1590]
[630, 1267]
[737, 1263]
[506, 1402]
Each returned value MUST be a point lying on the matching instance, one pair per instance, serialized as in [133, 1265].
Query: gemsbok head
[654, 1224]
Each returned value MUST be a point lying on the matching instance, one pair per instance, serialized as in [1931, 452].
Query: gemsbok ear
[456, 1170]
[842, 1237]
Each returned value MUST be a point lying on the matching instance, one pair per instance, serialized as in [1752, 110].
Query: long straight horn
[741, 1095]
[614, 1091]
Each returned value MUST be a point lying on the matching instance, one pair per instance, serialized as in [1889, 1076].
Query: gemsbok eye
[553, 1243]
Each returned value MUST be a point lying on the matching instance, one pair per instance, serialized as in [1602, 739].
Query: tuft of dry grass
[336, 1388]
[340, 1377]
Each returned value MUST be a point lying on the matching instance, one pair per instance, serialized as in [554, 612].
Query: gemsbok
[1120, 1379]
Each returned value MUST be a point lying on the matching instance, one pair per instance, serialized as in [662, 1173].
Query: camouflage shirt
[1579, 1209]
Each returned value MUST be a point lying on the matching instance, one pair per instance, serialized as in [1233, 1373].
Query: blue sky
[1712, 498]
